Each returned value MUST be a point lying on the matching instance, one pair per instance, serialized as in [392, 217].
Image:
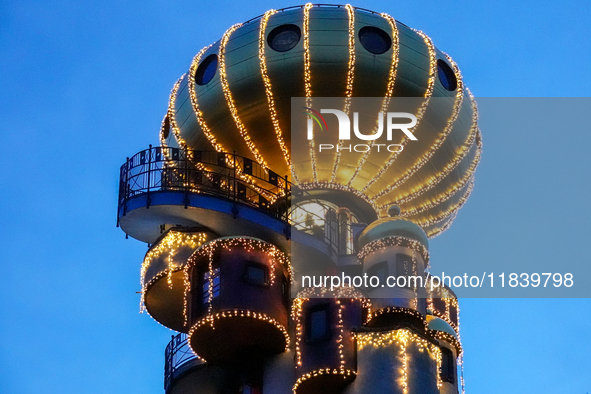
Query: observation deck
[164, 187]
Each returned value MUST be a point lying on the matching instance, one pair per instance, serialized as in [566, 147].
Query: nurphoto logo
[393, 123]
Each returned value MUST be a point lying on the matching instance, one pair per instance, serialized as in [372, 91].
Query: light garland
[198, 114]
[420, 112]
[389, 87]
[346, 374]
[169, 244]
[269, 91]
[308, 82]
[441, 138]
[401, 337]
[338, 186]
[434, 180]
[349, 86]
[385, 242]
[343, 292]
[239, 313]
[207, 250]
[230, 100]
[397, 309]
[449, 211]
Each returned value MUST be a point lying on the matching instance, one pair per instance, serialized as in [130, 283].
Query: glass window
[374, 39]
[206, 70]
[404, 266]
[446, 75]
[284, 37]
[318, 323]
[380, 270]
[256, 273]
[215, 281]
[447, 366]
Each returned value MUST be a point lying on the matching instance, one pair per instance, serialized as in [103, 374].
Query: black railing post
[186, 185]
[126, 188]
[149, 173]
[234, 183]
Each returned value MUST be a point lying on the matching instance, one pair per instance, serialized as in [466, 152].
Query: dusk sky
[84, 85]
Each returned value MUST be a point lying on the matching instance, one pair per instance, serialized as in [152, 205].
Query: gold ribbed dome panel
[246, 108]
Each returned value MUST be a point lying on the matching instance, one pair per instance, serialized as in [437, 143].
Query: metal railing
[225, 175]
[177, 354]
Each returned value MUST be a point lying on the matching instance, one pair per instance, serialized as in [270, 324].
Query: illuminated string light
[389, 87]
[346, 374]
[230, 100]
[210, 320]
[441, 138]
[402, 338]
[269, 91]
[338, 294]
[349, 86]
[434, 179]
[380, 244]
[166, 248]
[420, 112]
[308, 82]
[448, 212]
[198, 114]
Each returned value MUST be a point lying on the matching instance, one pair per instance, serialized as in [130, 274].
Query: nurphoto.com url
[430, 282]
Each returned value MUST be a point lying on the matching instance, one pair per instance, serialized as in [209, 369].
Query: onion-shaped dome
[436, 324]
[236, 96]
[393, 226]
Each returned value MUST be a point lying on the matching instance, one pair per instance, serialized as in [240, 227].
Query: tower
[246, 215]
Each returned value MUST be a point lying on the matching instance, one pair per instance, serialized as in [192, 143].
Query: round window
[446, 75]
[206, 70]
[375, 40]
[284, 37]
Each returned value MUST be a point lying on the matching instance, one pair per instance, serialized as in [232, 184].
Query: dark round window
[446, 75]
[206, 70]
[375, 40]
[284, 37]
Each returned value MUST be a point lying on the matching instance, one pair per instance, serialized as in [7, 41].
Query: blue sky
[82, 86]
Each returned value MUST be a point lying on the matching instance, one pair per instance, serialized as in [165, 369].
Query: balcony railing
[225, 175]
[178, 358]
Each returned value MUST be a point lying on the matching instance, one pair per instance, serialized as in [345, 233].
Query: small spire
[394, 210]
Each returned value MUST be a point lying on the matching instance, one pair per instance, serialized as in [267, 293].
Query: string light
[269, 91]
[210, 320]
[346, 374]
[380, 244]
[435, 179]
[338, 294]
[441, 138]
[389, 87]
[448, 212]
[402, 338]
[308, 82]
[349, 86]
[230, 100]
[420, 112]
[198, 114]
[167, 246]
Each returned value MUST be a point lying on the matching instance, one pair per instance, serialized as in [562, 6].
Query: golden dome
[238, 91]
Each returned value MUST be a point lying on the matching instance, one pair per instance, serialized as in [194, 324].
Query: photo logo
[315, 115]
[393, 122]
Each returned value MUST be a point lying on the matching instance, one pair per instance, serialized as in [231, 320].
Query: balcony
[179, 360]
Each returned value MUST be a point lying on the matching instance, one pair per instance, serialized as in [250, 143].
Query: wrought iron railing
[177, 356]
[226, 175]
